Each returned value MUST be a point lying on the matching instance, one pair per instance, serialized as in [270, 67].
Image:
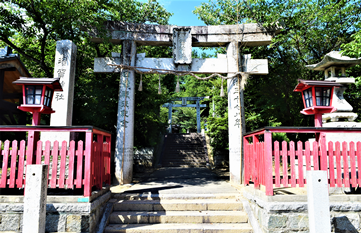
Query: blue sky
[182, 11]
[183, 16]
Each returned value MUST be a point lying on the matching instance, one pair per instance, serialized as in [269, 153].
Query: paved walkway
[175, 180]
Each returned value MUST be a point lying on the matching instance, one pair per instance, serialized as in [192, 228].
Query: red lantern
[317, 98]
[38, 95]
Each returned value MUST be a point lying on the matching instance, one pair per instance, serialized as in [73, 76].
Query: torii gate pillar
[236, 124]
[125, 120]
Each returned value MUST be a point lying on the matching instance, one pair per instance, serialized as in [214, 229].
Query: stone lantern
[334, 66]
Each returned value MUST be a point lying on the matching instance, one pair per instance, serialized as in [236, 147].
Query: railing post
[246, 161]
[268, 163]
[100, 161]
[255, 175]
[108, 140]
[88, 163]
[323, 159]
[33, 137]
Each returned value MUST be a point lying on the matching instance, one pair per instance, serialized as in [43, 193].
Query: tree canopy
[308, 30]
[32, 27]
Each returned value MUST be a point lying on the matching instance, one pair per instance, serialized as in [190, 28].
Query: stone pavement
[177, 180]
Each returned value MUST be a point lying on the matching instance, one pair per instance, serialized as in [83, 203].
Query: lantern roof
[40, 81]
[334, 58]
[304, 84]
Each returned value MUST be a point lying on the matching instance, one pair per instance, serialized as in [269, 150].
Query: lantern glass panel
[48, 96]
[29, 92]
[308, 97]
[323, 96]
[33, 94]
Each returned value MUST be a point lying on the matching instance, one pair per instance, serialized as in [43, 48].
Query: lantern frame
[317, 110]
[47, 87]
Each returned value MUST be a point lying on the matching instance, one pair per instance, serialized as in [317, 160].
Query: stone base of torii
[181, 39]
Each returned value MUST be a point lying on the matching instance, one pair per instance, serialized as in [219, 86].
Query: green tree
[32, 27]
[307, 30]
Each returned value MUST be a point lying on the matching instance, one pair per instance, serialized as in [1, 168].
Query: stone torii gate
[181, 39]
[184, 104]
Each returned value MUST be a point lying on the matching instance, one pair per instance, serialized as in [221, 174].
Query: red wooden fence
[70, 167]
[284, 164]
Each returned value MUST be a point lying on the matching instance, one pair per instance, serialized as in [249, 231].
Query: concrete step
[141, 196]
[150, 217]
[180, 228]
[179, 205]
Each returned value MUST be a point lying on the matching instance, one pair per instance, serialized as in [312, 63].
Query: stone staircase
[167, 213]
[183, 150]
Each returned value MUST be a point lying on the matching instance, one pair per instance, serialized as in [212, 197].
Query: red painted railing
[274, 164]
[73, 166]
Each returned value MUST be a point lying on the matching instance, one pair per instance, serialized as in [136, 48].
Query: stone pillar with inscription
[125, 120]
[65, 62]
[234, 115]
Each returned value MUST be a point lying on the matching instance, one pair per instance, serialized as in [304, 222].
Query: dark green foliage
[307, 31]
[218, 131]
[32, 28]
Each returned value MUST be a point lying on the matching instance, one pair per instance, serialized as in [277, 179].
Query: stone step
[150, 217]
[179, 205]
[185, 142]
[179, 228]
[174, 155]
[187, 152]
[179, 159]
[184, 148]
[141, 196]
[184, 162]
[191, 155]
[183, 165]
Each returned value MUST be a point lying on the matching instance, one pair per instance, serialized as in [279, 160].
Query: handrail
[267, 163]
[95, 156]
[45, 128]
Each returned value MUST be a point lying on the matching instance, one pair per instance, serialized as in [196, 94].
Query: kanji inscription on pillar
[64, 69]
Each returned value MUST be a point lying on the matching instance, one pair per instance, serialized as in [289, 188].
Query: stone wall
[288, 213]
[216, 158]
[60, 217]
[144, 157]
